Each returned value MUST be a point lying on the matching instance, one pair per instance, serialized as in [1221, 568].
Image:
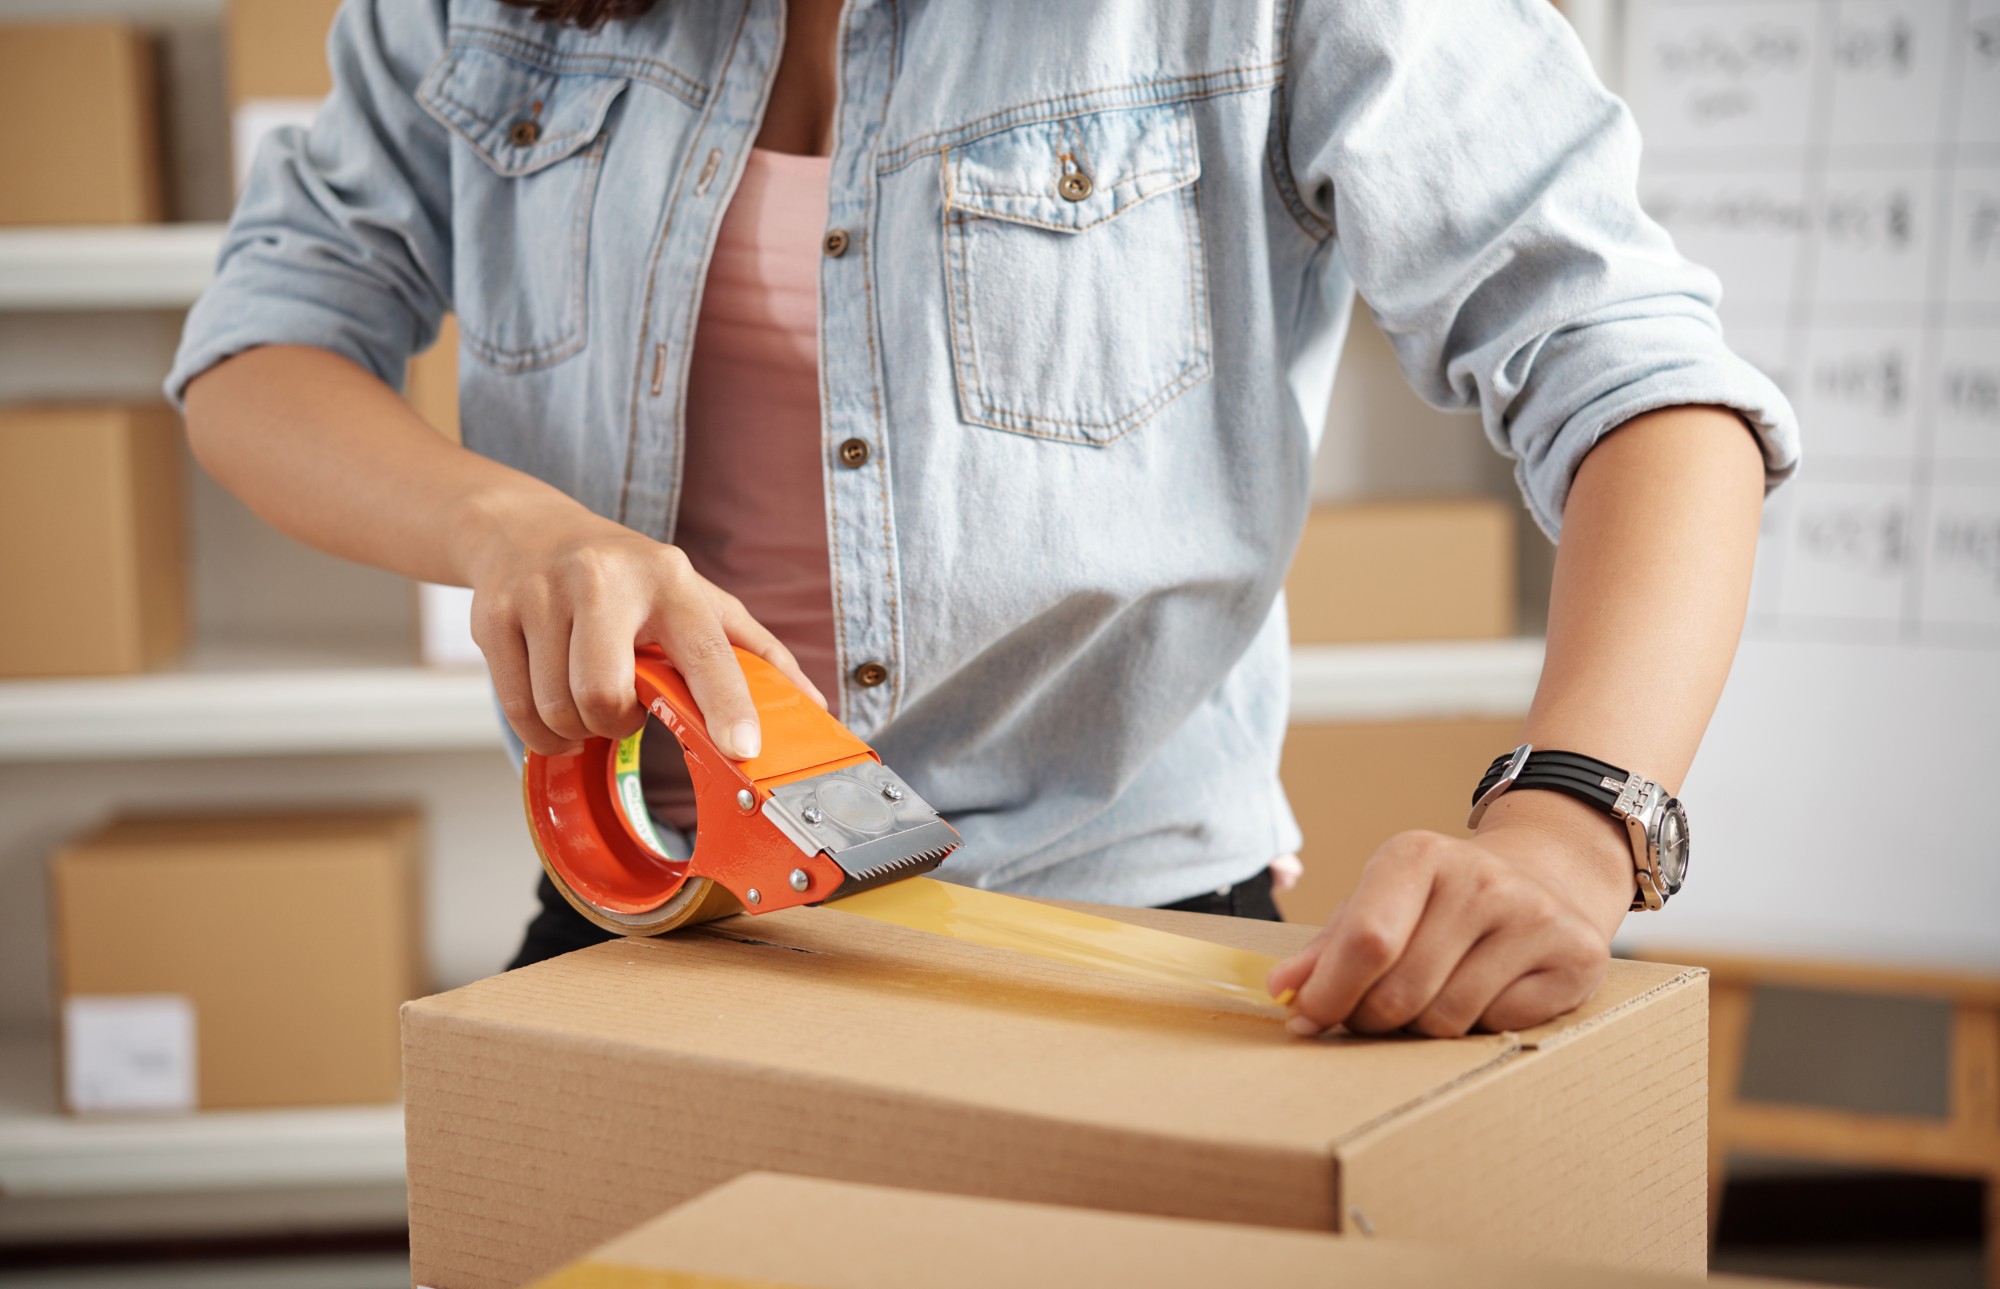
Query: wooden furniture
[1965, 1143]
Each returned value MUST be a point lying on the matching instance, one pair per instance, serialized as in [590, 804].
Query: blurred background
[344, 830]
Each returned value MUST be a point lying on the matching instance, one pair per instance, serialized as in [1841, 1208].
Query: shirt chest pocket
[523, 197]
[1074, 262]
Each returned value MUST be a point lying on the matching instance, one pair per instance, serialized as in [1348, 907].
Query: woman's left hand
[1445, 935]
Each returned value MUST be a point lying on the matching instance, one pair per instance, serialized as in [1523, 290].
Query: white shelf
[251, 702]
[1430, 679]
[45, 1154]
[147, 266]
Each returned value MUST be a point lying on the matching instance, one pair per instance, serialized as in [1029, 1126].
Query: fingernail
[1305, 1027]
[744, 738]
[1285, 999]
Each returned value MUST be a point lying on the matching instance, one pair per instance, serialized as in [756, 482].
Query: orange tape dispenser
[815, 816]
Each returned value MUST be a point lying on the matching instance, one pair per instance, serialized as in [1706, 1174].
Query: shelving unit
[88, 1176]
[1424, 680]
[163, 266]
[262, 702]
[45, 1153]
[249, 702]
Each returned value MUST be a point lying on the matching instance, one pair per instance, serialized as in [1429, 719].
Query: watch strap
[1585, 778]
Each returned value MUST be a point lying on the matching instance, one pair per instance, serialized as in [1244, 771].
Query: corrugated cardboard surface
[277, 48]
[769, 1229]
[296, 936]
[83, 125]
[92, 550]
[1353, 786]
[1404, 570]
[553, 1106]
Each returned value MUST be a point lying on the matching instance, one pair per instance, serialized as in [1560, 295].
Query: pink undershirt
[753, 489]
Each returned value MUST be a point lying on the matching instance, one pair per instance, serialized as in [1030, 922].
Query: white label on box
[445, 613]
[128, 1052]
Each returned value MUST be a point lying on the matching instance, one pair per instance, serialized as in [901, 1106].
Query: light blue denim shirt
[1099, 263]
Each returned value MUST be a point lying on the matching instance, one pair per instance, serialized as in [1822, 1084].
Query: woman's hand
[1445, 935]
[560, 598]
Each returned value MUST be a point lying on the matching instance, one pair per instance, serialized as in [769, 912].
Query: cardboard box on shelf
[551, 1107]
[766, 1229]
[1353, 786]
[92, 563]
[430, 383]
[220, 962]
[83, 145]
[1404, 570]
[278, 74]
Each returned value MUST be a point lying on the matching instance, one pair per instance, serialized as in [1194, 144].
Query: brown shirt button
[1074, 186]
[835, 244]
[524, 134]
[870, 674]
[854, 453]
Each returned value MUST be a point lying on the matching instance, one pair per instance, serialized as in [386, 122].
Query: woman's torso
[1063, 470]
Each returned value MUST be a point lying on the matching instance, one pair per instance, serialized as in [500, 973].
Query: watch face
[1673, 847]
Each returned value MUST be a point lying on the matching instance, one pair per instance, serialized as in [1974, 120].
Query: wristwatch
[1656, 822]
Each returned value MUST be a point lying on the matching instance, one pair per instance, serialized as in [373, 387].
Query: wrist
[1580, 850]
[487, 522]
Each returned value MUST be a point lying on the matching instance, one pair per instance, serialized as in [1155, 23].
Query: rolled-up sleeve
[1481, 186]
[342, 236]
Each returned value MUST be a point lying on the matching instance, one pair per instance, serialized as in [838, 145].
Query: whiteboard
[1837, 163]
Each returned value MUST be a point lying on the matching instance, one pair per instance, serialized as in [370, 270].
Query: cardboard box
[551, 1107]
[430, 383]
[83, 144]
[278, 73]
[1353, 786]
[234, 961]
[1404, 570]
[766, 1229]
[277, 48]
[93, 570]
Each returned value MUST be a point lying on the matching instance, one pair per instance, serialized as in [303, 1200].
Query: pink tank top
[753, 489]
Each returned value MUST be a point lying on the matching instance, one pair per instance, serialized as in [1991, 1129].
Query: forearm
[1652, 577]
[324, 451]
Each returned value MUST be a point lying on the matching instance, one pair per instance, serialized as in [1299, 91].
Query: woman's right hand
[560, 599]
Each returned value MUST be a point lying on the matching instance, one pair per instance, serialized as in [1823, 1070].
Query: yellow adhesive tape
[1065, 935]
[613, 1275]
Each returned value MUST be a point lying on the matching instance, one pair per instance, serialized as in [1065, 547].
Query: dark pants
[558, 928]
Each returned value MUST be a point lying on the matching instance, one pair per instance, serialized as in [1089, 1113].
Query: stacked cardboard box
[768, 1229]
[1404, 570]
[549, 1108]
[92, 566]
[83, 143]
[231, 961]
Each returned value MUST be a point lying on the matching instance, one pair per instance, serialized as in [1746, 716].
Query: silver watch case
[1658, 827]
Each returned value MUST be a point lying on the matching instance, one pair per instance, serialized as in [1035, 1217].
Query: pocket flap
[1073, 173]
[518, 118]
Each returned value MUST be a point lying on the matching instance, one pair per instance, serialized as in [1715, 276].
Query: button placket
[861, 520]
[650, 498]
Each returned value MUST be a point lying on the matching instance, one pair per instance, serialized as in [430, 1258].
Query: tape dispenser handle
[798, 735]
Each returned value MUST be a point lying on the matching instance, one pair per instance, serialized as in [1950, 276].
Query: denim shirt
[1097, 266]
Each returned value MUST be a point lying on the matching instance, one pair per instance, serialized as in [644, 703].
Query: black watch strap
[1586, 778]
